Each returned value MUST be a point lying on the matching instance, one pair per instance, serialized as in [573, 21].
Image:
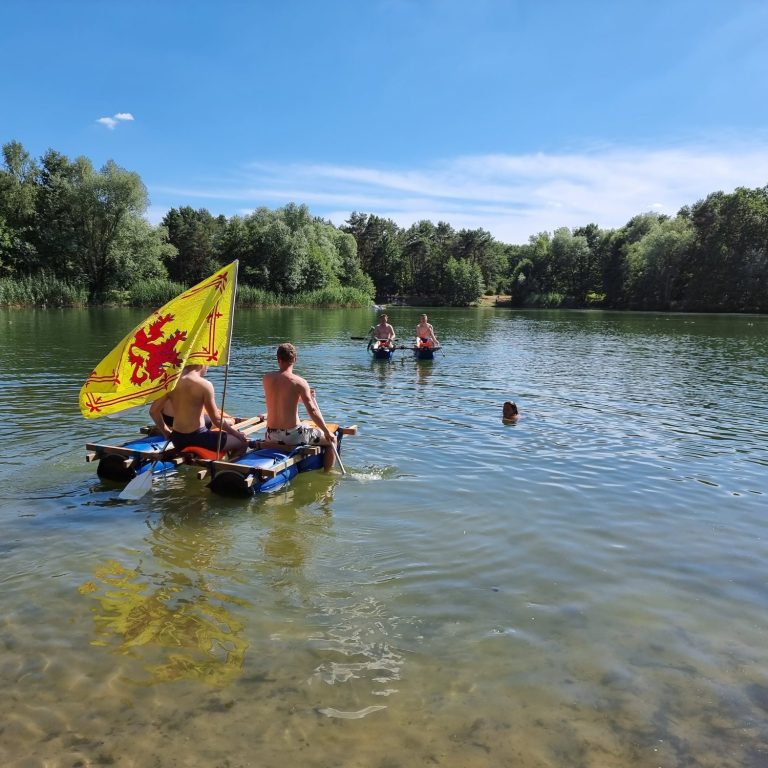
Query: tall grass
[44, 290]
[153, 293]
[41, 291]
[248, 296]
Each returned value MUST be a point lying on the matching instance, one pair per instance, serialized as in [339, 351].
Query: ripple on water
[584, 587]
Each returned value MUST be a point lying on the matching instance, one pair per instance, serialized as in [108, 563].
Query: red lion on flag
[157, 354]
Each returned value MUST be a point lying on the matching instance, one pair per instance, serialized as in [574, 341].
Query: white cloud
[111, 122]
[512, 196]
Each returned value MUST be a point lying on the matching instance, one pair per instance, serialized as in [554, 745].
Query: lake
[586, 587]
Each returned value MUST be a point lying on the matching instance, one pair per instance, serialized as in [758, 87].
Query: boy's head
[510, 409]
[286, 353]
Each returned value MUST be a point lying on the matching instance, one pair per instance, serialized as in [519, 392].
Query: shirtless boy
[383, 334]
[425, 333]
[191, 399]
[282, 391]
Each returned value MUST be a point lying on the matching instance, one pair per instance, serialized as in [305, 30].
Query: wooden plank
[254, 428]
[245, 469]
[241, 425]
[219, 466]
[309, 450]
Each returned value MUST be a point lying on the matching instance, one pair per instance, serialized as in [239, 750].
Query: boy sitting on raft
[282, 391]
[191, 399]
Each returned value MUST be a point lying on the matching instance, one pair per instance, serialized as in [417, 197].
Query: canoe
[267, 467]
[384, 351]
[425, 353]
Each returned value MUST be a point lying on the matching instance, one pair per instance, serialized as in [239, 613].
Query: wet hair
[287, 353]
[510, 409]
[385, 316]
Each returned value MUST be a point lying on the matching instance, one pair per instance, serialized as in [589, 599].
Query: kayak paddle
[141, 484]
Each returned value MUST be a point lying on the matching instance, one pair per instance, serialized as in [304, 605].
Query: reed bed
[41, 291]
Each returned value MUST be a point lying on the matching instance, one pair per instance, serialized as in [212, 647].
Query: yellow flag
[192, 328]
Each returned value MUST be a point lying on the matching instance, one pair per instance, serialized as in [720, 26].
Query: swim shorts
[200, 438]
[301, 435]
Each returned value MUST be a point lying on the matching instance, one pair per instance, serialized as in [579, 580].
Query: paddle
[338, 459]
[142, 484]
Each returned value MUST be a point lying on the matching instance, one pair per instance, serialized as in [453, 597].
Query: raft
[125, 461]
[267, 467]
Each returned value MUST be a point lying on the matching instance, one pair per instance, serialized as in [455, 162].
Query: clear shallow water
[584, 588]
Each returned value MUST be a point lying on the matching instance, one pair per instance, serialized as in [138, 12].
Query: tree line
[63, 220]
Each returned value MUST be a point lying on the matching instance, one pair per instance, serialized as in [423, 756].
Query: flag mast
[229, 346]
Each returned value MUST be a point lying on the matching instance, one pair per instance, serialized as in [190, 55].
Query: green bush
[550, 300]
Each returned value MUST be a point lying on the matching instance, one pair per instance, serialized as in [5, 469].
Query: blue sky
[518, 116]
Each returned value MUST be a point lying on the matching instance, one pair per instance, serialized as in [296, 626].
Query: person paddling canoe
[382, 335]
[425, 334]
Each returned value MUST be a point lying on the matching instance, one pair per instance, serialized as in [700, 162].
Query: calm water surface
[584, 588]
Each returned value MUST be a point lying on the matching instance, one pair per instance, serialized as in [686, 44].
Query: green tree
[728, 263]
[80, 214]
[654, 264]
[18, 193]
[140, 252]
[463, 282]
[378, 247]
[194, 235]
[477, 247]
[570, 256]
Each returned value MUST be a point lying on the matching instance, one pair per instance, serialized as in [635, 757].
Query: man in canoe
[282, 391]
[383, 334]
[191, 399]
[425, 334]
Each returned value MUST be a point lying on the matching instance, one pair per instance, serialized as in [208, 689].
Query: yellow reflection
[196, 632]
[171, 614]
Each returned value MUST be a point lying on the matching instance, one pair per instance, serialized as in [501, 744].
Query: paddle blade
[138, 487]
